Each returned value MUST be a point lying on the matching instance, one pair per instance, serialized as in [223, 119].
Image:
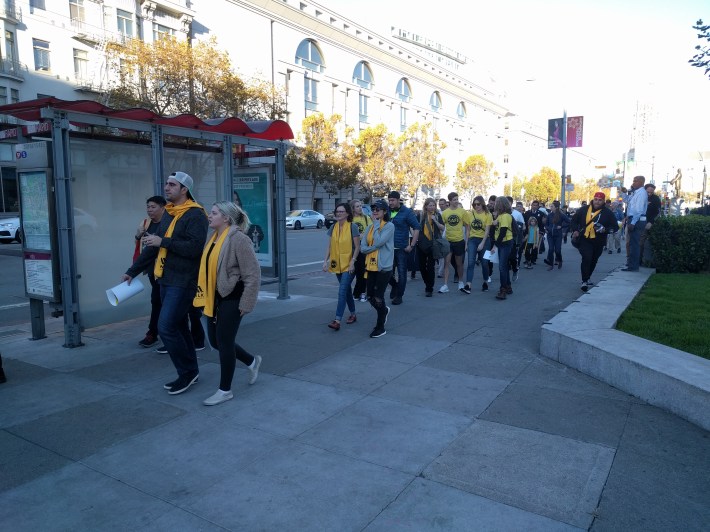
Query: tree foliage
[172, 77]
[374, 149]
[585, 191]
[702, 57]
[319, 158]
[474, 176]
[417, 164]
[544, 185]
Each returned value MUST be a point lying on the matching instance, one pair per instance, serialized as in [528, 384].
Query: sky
[594, 58]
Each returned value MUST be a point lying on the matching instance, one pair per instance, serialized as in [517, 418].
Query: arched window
[461, 111]
[435, 101]
[404, 91]
[309, 57]
[362, 75]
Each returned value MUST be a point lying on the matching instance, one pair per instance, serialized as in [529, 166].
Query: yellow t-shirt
[479, 222]
[362, 222]
[505, 220]
[455, 219]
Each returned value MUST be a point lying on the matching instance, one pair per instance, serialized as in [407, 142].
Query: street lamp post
[705, 178]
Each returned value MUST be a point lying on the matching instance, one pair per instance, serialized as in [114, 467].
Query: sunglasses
[376, 209]
[476, 204]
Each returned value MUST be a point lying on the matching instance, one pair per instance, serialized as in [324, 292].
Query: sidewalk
[452, 421]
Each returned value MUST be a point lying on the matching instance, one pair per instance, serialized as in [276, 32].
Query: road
[305, 248]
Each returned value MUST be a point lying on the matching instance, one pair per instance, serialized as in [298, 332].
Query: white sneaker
[460, 286]
[255, 370]
[218, 397]
[489, 280]
[444, 289]
[363, 298]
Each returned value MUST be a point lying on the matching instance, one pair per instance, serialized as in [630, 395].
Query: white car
[304, 218]
[10, 230]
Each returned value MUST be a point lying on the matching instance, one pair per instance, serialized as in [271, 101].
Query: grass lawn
[673, 309]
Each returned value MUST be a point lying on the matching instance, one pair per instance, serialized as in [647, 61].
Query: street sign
[569, 187]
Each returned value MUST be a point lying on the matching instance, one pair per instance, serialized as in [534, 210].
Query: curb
[583, 337]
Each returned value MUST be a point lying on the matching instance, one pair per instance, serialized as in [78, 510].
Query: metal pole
[564, 157]
[281, 220]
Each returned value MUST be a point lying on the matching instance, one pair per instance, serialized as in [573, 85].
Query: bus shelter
[85, 172]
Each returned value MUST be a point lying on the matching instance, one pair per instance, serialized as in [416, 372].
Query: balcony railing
[9, 10]
[13, 68]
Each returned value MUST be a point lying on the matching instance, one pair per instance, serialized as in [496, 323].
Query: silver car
[10, 230]
[304, 218]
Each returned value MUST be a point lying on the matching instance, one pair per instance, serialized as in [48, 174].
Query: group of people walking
[190, 274]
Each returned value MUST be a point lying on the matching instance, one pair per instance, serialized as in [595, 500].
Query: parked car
[304, 218]
[10, 230]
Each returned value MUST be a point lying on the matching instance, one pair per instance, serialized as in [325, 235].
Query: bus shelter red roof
[261, 129]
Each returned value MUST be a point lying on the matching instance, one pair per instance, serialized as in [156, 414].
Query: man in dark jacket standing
[176, 269]
[591, 224]
[404, 220]
[652, 211]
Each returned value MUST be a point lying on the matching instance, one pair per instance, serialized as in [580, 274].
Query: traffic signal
[698, 196]
[568, 180]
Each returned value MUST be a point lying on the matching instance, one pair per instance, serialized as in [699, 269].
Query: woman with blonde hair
[503, 244]
[228, 286]
[362, 220]
[432, 227]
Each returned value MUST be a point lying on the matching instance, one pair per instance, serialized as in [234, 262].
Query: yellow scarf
[341, 248]
[207, 278]
[371, 261]
[428, 227]
[590, 233]
[176, 211]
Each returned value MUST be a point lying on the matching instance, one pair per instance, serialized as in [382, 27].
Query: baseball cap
[185, 180]
[381, 205]
[599, 195]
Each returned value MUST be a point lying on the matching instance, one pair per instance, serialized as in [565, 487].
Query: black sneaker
[397, 301]
[484, 288]
[386, 314]
[466, 289]
[584, 286]
[169, 385]
[376, 333]
[162, 350]
[149, 341]
[199, 347]
[182, 384]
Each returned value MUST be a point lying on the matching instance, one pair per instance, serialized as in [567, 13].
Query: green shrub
[681, 244]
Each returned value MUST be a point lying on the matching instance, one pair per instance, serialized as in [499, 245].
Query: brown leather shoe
[351, 319]
[508, 289]
[335, 325]
[501, 294]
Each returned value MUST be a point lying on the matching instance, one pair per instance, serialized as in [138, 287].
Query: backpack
[517, 230]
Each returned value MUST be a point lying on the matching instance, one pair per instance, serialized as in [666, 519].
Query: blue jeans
[345, 294]
[400, 264]
[635, 246]
[503, 267]
[173, 328]
[473, 255]
[554, 247]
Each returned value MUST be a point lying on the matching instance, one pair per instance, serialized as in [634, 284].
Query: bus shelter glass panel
[112, 181]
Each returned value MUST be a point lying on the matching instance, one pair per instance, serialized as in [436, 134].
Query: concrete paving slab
[427, 505]
[550, 374]
[33, 400]
[351, 372]
[129, 371]
[492, 362]
[450, 329]
[284, 406]
[645, 493]
[109, 420]
[541, 473]
[502, 338]
[388, 433]
[586, 418]
[184, 457]
[22, 461]
[446, 391]
[395, 347]
[178, 519]
[298, 487]
[88, 501]
[19, 372]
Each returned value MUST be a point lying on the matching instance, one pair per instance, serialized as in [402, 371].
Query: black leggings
[222, 332]
[376, 286]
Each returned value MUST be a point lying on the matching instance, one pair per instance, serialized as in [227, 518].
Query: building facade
[326, 64]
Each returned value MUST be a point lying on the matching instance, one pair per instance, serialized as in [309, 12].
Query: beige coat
[237, 260]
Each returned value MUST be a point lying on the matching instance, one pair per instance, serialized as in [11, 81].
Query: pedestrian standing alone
[556, 225]
[503, 244]
[362, 220]
[432, 228]
[378, 246]
[340, 257]
[228, 287]
[481, 221]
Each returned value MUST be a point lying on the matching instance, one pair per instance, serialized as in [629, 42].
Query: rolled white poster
[493, 257]
[121, 292]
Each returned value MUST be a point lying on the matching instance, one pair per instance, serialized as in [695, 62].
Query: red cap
[599, 195]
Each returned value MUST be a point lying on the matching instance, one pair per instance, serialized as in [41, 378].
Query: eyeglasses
[340, 212]
[476, 204]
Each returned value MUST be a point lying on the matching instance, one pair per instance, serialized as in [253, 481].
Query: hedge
[681, 244]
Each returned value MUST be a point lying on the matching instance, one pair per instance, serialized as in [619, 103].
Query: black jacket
[605, 217]
[145, 262]
[185, 246]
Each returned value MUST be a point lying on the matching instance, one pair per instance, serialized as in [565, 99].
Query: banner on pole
[574, 132]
